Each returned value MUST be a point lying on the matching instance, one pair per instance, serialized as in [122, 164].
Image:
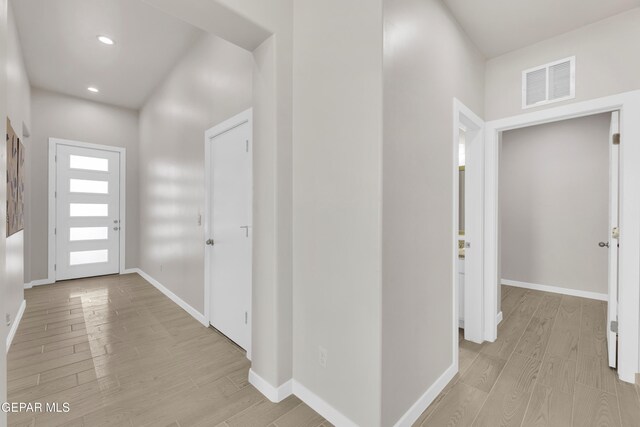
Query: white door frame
[53, 144]
[235, 121]
[628, 104]
[466, 119]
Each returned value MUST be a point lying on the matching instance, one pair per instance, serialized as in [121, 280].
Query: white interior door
[230, 252]
[87, 231]
[614, 188]
[474, 235]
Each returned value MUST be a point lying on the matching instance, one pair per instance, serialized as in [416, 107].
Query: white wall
[607, 62]
[337, 129]
[428, 60]
[264, 28]
[61, 116]
[211, 83]
[19, 112]
[554, 196]
[3, 205]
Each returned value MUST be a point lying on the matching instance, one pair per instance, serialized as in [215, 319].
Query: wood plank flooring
[123, 354]
[548, 367]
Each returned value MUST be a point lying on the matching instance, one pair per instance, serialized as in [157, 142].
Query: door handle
[210, 242]
[603, 244]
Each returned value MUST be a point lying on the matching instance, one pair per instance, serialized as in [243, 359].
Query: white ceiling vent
[548, 83]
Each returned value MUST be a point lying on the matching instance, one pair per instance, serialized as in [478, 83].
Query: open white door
[614, 181]
[229, 227]
[474, 238]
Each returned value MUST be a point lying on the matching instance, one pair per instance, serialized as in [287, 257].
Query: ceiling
[62, 53]
[500, 26]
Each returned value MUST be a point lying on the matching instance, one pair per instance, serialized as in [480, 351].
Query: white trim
[15, 324]
[231, 123]
[173, 297]
[427, 398]
[628, 104]
[319, 405]
[572, 83]
[38, 282]
[274, 394]
[499, 318]
[556, 290]
[51, 255]
[130, 271]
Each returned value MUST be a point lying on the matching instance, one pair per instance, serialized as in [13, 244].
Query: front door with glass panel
[87, 212]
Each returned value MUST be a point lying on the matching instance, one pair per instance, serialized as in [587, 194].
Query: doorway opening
[627, 105]
[558, 203]
[228, 228]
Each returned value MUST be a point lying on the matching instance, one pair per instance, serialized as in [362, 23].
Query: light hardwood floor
[548, 367]
[123, 354]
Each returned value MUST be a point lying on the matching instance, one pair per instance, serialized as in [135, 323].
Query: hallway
[548, 367]
[121, 353]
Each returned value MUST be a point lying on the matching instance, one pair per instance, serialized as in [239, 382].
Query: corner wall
[337, 129]
[19, 112]
[428, 60]
[3, 205]
[211, 83]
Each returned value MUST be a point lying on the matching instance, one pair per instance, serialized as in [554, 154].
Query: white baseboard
[15, 324]
[38, 282]
[556, 290]
[319, 405]
[427, 398]
[173, 297]
[130, 271]
[498, 320]
[274, 394]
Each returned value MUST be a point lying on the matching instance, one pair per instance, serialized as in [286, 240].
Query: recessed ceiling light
[106, 40]
[93, 89]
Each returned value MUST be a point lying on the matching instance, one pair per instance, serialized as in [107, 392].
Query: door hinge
[616, 139]
[55, 267]
[614, 326]
[55, 158]
[615, 233]
[246, 317]
[55, 231]
[247, 147]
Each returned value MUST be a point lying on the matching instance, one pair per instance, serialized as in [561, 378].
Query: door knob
[603, 244]
[210, 242]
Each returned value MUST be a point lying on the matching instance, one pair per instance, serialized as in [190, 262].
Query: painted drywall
[265, 28]
[3, 204]
[554, 195]
[19, 112]
[606, 63]
[62, 116]
[337, 129]
[211, 83]
[428, 60]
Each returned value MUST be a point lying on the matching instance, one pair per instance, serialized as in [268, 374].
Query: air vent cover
[548, 83]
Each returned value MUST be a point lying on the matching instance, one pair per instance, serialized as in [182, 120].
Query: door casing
[235, 121]
[53, 144]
